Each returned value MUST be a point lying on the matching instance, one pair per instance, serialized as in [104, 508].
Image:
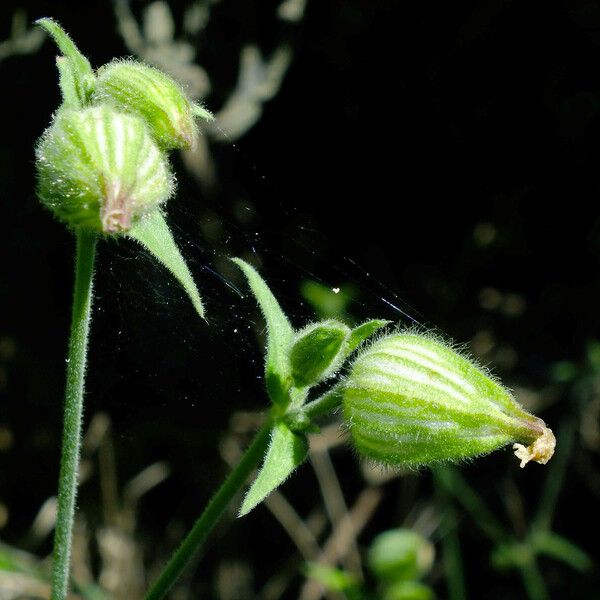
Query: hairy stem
[73, 409]
[325, 404]
[212, 514]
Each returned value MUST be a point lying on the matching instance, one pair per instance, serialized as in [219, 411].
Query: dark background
[441, 156]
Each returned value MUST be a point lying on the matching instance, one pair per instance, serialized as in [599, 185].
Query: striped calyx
[135, 88]
[100, 169]
[411, 400]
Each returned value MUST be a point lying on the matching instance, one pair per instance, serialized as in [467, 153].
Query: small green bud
[300, 422]
[400, 554]
[332, 578]
[317, 352]
[411, 400]
[100, 169]
[136, 88]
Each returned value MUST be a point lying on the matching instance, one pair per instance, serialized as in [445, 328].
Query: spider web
[154, 361]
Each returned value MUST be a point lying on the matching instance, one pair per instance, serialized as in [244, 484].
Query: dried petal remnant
[541, 451]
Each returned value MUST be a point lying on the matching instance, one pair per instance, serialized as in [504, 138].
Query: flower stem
[533, 581]
[451, 553]
[212, 514]
[325, 404]
[73, 408]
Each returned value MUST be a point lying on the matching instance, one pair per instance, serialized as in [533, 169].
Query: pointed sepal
[287, 451]
[280, 336]
[82, 75]
[363, 332]
[154, 234]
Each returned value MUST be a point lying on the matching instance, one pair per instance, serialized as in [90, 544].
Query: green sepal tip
[82, 74]
[363, 332]
[154, 234]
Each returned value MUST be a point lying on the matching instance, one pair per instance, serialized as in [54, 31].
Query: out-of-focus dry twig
[121, 565]
[21, 40]
[17, 586]
[346, 524]
[259, 79]
[340, 541]
[154, 42]
[276, 503]
[333, 497]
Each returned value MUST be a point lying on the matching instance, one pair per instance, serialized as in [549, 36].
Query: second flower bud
[144, 91]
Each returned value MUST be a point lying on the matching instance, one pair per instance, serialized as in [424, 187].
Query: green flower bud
[411, 400]
[400, 554]
[100, 169]
[136, 88]
[317, 352]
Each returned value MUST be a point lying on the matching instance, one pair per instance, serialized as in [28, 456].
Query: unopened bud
[412, 400]
[318, 351]
[400, 554]
[101, 169]
[136, 88]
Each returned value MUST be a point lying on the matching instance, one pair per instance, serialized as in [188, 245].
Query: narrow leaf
[280, 336]
[154, 234]
[554, 545]
[363, 332]
[82, 72]
[287, 451]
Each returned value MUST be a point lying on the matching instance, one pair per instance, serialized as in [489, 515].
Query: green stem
[556, 478]
[456, 485]
[73, 408]
[212, 514]
[457, 590]
[453, 564]
[327, 403]
[533, 581]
